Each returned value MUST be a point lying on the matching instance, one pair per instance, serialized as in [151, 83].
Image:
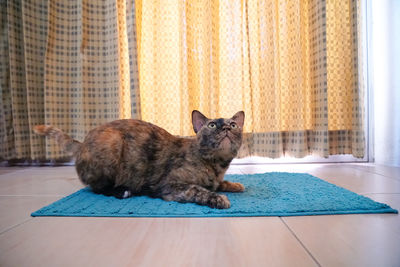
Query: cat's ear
[239, 118]
[198, 120]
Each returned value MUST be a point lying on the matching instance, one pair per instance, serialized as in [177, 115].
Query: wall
[384, 78]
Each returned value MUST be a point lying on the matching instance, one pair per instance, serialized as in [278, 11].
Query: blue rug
[268, 194]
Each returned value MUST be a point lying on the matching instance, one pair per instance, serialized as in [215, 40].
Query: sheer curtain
[292, 66]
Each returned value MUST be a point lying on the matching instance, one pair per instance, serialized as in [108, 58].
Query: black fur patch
[127, 136]
[178, 143]
[204, 141]
[149, 148]
[168, 167]
[224, 164]
[219, 123]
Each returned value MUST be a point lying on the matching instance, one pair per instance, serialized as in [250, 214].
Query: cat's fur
[132, 157]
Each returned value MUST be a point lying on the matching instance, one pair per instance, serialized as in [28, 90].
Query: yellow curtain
[292, 66]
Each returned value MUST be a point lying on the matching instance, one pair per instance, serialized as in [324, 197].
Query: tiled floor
[340, 240]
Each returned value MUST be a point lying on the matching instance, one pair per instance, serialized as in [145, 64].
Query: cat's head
[218, 137]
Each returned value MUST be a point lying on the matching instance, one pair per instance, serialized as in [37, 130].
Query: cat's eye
[212, 125]
[233, 125]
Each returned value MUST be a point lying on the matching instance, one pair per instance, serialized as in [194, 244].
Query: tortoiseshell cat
[132, 157]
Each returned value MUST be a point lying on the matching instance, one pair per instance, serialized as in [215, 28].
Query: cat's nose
[226, 127]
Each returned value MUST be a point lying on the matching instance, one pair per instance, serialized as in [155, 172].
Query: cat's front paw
[227, 186]
[217, 201]
[237, 187]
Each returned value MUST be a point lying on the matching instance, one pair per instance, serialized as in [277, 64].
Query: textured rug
[268, 194]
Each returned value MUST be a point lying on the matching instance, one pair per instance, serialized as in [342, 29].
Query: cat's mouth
[228, 135]
[224, 135]
[225, 142]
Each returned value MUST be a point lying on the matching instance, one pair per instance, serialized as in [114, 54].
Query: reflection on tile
[388, 171]
[358, 181]
[40, 181]
[4, 170]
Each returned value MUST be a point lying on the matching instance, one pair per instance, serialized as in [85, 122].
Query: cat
[131, 157]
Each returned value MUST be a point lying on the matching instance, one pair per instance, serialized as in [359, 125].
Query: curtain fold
[23, 41]
[292, 66]
[62, 63]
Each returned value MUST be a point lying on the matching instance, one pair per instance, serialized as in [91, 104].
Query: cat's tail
[65, 141]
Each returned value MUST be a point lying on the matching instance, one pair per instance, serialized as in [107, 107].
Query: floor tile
[234, 169]
[342, 175]
[4, 170]
[337, 240]
[356, 180]
[40, 181]
[352, 240]
[152, 242]
[15, 210]
[388, 171]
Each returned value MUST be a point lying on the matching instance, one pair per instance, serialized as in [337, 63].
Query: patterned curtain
[292, 66]
[61, 63]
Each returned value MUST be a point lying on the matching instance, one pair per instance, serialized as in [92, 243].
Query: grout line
[366, 194]
[16, 225]
[361, 169]
[301, 243]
